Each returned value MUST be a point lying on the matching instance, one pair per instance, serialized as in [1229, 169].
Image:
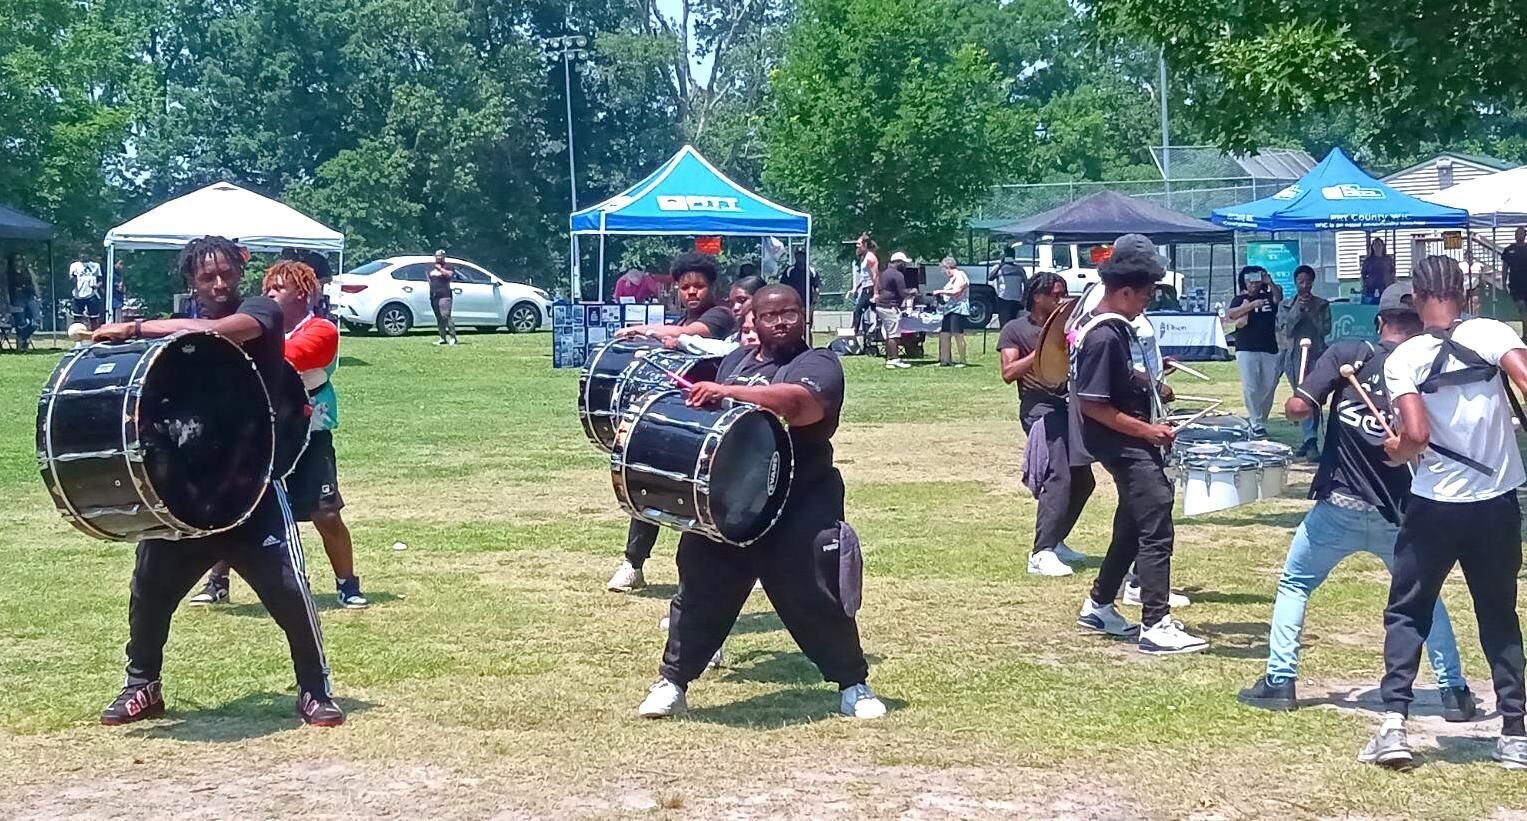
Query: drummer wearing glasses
[694, 275]
[265, 550]
[808, 561]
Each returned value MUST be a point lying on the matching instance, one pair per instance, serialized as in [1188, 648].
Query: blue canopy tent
[1336, 195]
[686, 196]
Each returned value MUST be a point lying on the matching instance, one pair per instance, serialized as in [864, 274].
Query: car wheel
[980, 310]
[394, 320]
[524, 318]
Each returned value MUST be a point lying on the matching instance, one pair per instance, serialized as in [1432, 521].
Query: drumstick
[1197, 416]
[641, 356]
[1183, 398]
[1304, 357]
[1173, 364]
[1351, 374]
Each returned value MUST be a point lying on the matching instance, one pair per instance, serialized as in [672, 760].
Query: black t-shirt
[746, 366]
[1102, 369]
[718, 320]
[893, 289]
[1352, 461]
[1261, 331]
[440, 286]
[1514, 261]
[821, 373]
[796, 277]
[1034, 400]
[268, 350]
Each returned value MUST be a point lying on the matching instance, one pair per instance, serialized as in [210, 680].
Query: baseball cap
[1393, 298]
[1136, 245]
[901, 257]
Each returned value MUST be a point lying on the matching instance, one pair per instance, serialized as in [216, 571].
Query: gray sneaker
[1388, 748]
[1511, 752]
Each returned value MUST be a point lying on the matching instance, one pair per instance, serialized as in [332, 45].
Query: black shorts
[953, 324]
[313, 485]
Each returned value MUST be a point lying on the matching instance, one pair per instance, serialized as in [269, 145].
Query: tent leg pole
[110, 299]
[810, 315]
[600, 296]
[52, 297]
[573, 286]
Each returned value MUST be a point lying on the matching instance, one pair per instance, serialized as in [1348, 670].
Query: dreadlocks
[293, 274]
[198, 249]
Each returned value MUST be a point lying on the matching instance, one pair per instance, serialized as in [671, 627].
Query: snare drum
[156, 438]
[1218, 483]
[1273, 458]
[1218, 430]
[722, 473]
[616, 376]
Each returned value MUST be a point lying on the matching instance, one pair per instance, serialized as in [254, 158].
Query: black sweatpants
[1485, 539]
[1065, 489]
[1007, 311]
[1142, 535]
[266, 551]
[798, 574]
[641, 537]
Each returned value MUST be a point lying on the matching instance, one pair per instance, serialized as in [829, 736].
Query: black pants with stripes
[266, 551]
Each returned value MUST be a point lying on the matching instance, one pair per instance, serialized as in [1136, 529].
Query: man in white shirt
[1455, 422]
[85, 284]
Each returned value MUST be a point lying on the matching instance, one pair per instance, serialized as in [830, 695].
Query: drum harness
[1475, 369]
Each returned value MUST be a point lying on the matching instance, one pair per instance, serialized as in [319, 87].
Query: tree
[886, 118]
[1410, 71]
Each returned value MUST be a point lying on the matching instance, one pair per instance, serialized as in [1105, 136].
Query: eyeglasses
[787, 315]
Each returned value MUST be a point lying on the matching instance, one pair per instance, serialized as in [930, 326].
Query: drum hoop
[58, 491]
[585, 383]
[789, 481]
[705, 458]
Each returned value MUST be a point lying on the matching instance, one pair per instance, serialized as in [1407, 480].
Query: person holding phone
[1255, 310]
[440, 298]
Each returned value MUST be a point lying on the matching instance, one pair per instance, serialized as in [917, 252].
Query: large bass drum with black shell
[167, 438]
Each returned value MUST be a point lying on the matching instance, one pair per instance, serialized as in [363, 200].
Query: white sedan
[392, 295]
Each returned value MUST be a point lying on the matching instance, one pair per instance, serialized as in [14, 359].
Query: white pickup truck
[1074, 262]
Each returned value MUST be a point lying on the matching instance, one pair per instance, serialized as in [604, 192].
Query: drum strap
[1081, 331]
[1475, 369]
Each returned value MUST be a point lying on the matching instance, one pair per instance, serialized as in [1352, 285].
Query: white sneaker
[859, 701]
[1046, 563]
[626, 579]
[1069, 556]
[1105, 618]
[893, 364]
[440, 342]
[663, 700]
[453, 341]
[1167, 637]
[718, 660]
[1175, 600]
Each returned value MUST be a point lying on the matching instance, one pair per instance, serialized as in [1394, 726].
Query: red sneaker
[135, 703]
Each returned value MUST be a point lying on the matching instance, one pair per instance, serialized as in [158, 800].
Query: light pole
[570, 48]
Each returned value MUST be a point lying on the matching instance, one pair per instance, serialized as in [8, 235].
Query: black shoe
[319, 711]
[136, 702]
[1309, 450]
[1266, 695]
[1457, 704]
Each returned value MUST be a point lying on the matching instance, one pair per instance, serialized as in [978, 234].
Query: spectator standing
[866, 273]
[803, 278]
[1378, 272]
[118, 289]
[638, 286]
[891, 297]
[1514, 267]
[85, 286]
[441, 298]
[1305, 316]
[22, 287]
[1009, 282]
[956, 294]
[1256, 344]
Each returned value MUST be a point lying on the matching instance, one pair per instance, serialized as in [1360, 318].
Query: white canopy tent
[222, 209]
[1498, 199]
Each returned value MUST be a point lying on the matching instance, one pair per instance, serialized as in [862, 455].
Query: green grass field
[494, 676]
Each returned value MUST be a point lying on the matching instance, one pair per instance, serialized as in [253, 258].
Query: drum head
[204, 425]
[294, 419]
[750, 477]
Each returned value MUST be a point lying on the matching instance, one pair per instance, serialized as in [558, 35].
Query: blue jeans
[1325, 537]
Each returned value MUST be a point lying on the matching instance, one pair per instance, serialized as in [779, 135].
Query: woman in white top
[956, 296]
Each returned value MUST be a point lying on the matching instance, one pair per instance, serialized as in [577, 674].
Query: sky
[673, 10]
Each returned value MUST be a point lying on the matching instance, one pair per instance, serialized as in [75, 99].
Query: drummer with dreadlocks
[265, 549]
[1114, 411]
[1449, 386]
[1062, 490]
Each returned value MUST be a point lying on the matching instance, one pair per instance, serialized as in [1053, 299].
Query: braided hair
[209, 246]
[1438, 277]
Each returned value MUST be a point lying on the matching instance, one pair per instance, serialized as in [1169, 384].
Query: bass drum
[164, 438]
[617, 375]
[294, 421]
[723, 473]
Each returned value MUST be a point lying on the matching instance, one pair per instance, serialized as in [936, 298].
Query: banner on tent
[1279, 257]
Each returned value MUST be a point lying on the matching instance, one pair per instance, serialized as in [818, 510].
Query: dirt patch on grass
[913, 451]
[1463, 741]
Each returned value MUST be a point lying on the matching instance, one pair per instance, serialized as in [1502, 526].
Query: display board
[576, 327]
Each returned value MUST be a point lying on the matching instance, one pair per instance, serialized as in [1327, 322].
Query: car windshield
[369, 268]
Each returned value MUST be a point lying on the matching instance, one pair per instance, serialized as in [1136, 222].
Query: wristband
[137, 329]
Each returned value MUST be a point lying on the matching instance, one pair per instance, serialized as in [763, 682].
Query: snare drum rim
[49, 472]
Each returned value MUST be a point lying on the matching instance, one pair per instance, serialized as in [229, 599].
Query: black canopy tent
[15, 225]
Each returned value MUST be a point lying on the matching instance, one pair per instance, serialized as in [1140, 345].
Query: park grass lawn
[495, 676]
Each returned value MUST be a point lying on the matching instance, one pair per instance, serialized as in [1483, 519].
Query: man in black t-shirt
[1113, 421]
[704, 315]
[1063, 488]
[265, 550]
[891, 300]
[1513, 262]
[1359, 498]
[804, 560]
[1256, 344]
